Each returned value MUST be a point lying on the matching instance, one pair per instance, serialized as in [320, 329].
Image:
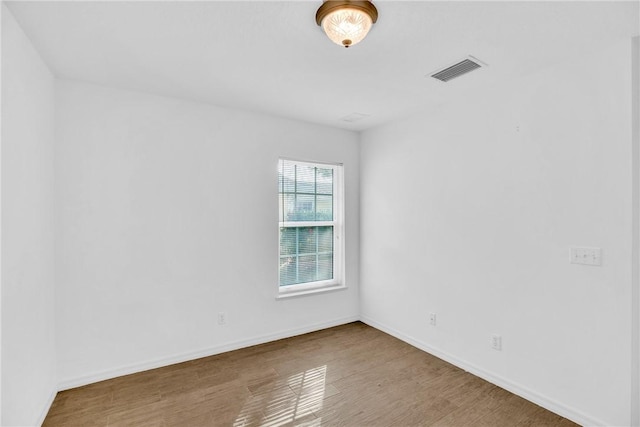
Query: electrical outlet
[432, 319]
[496, 342]
[222, 318]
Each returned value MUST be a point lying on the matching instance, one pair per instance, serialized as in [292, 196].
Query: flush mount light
[346, 22]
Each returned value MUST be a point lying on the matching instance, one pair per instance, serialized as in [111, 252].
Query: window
[310, 222]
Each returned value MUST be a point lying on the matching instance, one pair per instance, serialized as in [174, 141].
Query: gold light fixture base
[332, 5]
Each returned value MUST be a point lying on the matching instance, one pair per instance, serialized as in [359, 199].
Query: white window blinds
[308, 222]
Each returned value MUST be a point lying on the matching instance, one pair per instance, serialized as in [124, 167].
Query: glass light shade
[347, 26]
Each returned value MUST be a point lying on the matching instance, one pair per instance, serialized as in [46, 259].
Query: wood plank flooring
[350, 375]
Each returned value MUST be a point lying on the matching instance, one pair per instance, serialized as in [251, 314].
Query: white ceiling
[271, 57]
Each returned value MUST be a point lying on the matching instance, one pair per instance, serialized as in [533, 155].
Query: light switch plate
[586, 256]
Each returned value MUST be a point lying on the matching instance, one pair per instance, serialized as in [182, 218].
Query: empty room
[320, 213]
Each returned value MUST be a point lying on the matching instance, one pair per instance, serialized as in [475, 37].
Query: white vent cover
[465, 66]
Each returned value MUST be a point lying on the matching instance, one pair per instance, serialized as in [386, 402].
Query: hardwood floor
[351, 375]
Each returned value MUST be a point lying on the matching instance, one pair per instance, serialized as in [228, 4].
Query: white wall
[28, 347]
[635, 303]
[470, 213]
[166, 215]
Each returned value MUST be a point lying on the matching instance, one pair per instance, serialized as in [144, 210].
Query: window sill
[303, 292]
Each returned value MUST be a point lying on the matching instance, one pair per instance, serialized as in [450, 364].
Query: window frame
[337, 282]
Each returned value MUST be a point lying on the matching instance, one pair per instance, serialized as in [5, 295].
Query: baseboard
[184, 357]
[46, 408]
[532, 396]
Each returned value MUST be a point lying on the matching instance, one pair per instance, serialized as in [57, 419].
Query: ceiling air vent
[456, 70]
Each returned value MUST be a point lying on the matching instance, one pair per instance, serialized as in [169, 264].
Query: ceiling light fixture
[346, 22]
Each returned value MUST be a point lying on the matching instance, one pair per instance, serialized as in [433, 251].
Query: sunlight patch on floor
[286, 400]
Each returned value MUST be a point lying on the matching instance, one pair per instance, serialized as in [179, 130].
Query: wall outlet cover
[496, 342]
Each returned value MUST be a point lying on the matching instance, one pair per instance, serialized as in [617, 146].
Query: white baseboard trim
[47, 407]
[184, 357]
[553, 406]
